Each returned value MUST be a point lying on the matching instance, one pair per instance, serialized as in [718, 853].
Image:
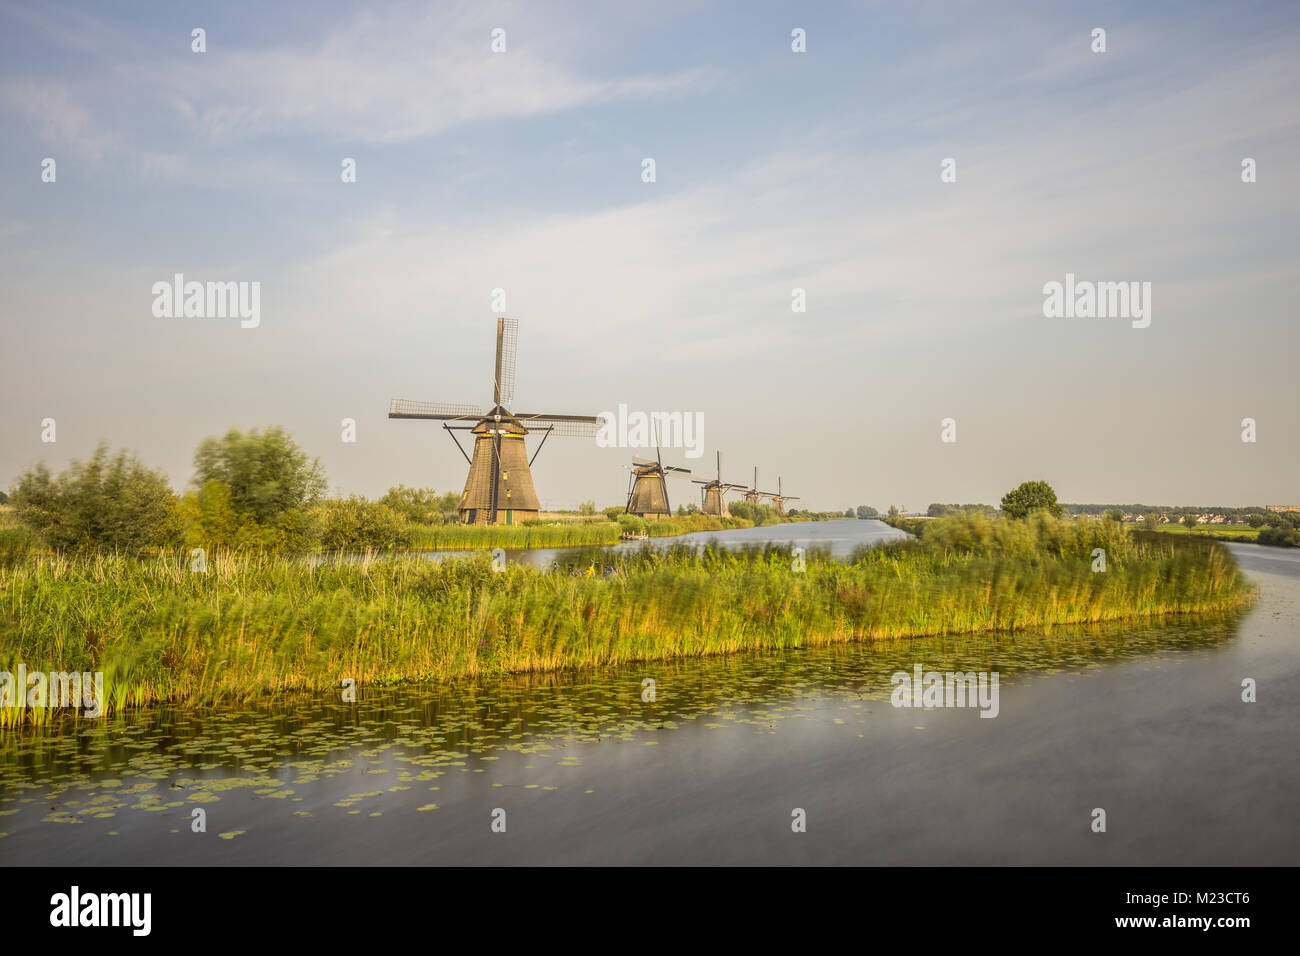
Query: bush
[421, 505]
[355, 524]
[1039, 535]
[208, 520]
[631, 524]
[755, 512]
[105, 503]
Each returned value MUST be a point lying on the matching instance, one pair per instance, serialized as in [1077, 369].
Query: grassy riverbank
[257, 625]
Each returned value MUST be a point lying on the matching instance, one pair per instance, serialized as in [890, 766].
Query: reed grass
[463, 537]
[257, 625]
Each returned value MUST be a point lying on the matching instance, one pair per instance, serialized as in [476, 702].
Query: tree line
[253, 489]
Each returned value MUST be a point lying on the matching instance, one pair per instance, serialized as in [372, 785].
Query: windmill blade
[507, 347]
[440, 411]
[731, 487]
[675, 470]
[566, 426]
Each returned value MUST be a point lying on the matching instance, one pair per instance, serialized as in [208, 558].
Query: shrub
[356, 524]
[421, 505]
[208, 520]
[631, 524]
[110, 503]
[1041, 535]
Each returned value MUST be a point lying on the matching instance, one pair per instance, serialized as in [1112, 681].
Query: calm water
[1146, 722]
[839, 538]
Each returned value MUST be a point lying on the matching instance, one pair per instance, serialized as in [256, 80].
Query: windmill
[499, 488]
[779, 499]
[752, 494]
[712, 494]
[648, 495]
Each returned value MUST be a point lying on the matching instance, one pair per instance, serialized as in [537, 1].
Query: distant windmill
[499, 488]
[713, 493]
[779, 499]
[752, 494]
[648, 495]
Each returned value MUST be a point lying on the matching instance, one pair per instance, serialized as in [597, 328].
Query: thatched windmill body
[713, 492]
[648, 495]
[499, 488]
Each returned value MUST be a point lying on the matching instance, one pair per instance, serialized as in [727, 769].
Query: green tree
[866, 511]
[106, 502]
[1028, 497]
[270, 478]
[1113, 514]
[587, 508]
[1189, 520]
[1150, 522]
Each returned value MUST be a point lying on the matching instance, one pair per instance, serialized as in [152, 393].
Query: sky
[775, 170]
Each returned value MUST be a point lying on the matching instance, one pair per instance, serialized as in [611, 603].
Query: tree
[268, 475]
[1113, 514]
[587, 508]
[116, 503]
[1189, 520]
[4, 498]
[1029, 497]
[893, 511]
[866, 511]
[1150, 522]
[848, 513]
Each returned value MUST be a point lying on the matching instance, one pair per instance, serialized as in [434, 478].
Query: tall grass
[255, 625]
[464, 537]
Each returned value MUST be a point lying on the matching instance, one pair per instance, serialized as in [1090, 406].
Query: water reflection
[303, 740]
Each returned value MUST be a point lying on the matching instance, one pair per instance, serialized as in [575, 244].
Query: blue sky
[775, 170]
